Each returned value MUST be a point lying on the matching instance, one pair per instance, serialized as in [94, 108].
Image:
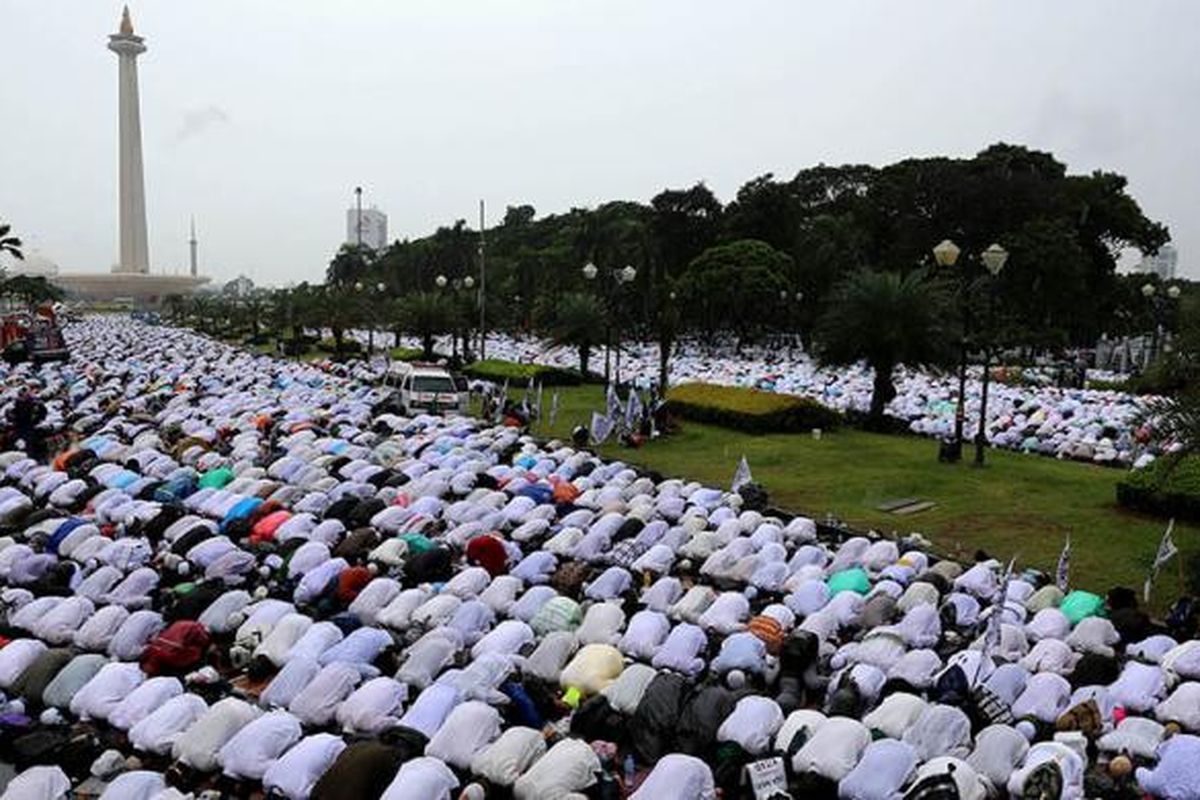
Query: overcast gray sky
[260, 116]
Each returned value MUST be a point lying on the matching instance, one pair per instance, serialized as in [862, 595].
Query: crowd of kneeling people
[240, 581]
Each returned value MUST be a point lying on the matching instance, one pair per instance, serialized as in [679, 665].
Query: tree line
[771, 258]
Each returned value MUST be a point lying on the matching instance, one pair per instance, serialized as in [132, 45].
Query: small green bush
[406, 353]
[1159, 489]
[749, 410]
[499, 371]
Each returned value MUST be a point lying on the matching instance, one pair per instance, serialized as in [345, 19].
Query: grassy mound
[1159, 489]
[749, 410]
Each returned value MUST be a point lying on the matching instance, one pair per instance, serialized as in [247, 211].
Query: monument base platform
[147, 288]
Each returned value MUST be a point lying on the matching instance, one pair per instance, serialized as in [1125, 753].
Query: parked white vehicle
[426, 388]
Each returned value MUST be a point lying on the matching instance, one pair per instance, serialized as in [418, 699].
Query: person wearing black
[25, 415]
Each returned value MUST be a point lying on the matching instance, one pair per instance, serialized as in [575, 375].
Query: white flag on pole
[741, 475]
[633, 411]
[601, 427]
[613, 403]
[1166, 550]
[1064, 566]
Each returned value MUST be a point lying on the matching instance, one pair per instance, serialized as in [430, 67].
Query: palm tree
[577, 321]
[427, 314]
[10, 244]
[175, 306]
[201, 307]
[887, 319]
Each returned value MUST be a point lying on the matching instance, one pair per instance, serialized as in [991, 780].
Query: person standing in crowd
[26, 414]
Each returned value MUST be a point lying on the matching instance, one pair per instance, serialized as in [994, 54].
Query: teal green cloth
[215, 478]
[1078, 606]
[417, 543]
[849, 580]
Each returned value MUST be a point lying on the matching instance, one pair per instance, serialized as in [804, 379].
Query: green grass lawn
[1020, 505]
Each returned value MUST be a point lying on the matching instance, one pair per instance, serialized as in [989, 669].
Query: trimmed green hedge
[407, 353]
[499, 371]
[1161, 490]
[749, 410]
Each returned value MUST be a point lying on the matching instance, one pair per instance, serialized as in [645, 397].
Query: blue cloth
[61, 533]
[527, 711]
[243, 508]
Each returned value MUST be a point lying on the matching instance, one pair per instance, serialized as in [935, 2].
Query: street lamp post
[946, 255]
[365, 304]
[994, 259]
[1158, 303]
[358, 218]
[455, 285]
[611, 282]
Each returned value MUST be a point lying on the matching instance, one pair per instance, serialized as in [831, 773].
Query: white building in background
[1163, 263]
[374, 228]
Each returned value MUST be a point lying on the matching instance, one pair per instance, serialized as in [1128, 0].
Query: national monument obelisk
[130, 277]
[134, 252]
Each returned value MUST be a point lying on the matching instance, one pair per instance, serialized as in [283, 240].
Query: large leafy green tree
[887, 319]
[349, 265]
[735, 287]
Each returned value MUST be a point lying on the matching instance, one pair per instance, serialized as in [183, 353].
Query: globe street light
[994, 258]
[1158, 304]
[613, 279]
[440, 281]
[946, 255]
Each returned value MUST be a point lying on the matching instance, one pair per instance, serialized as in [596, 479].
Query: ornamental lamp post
[613, 280]
[946, 255]
[1158, 304]
[994, 258]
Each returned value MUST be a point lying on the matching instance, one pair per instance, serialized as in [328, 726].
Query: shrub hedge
[499, 371]
[1159, 489]
[407, 353]
[749, 410]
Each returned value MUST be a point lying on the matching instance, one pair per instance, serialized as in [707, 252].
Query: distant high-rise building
[1163, 263]
[374, 228]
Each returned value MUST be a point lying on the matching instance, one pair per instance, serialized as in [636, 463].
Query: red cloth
[488, 552]
[265, 528]
[351, 582]
[177, 650]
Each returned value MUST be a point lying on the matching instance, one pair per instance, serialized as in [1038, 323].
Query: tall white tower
[128, 46]
[192, 247]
